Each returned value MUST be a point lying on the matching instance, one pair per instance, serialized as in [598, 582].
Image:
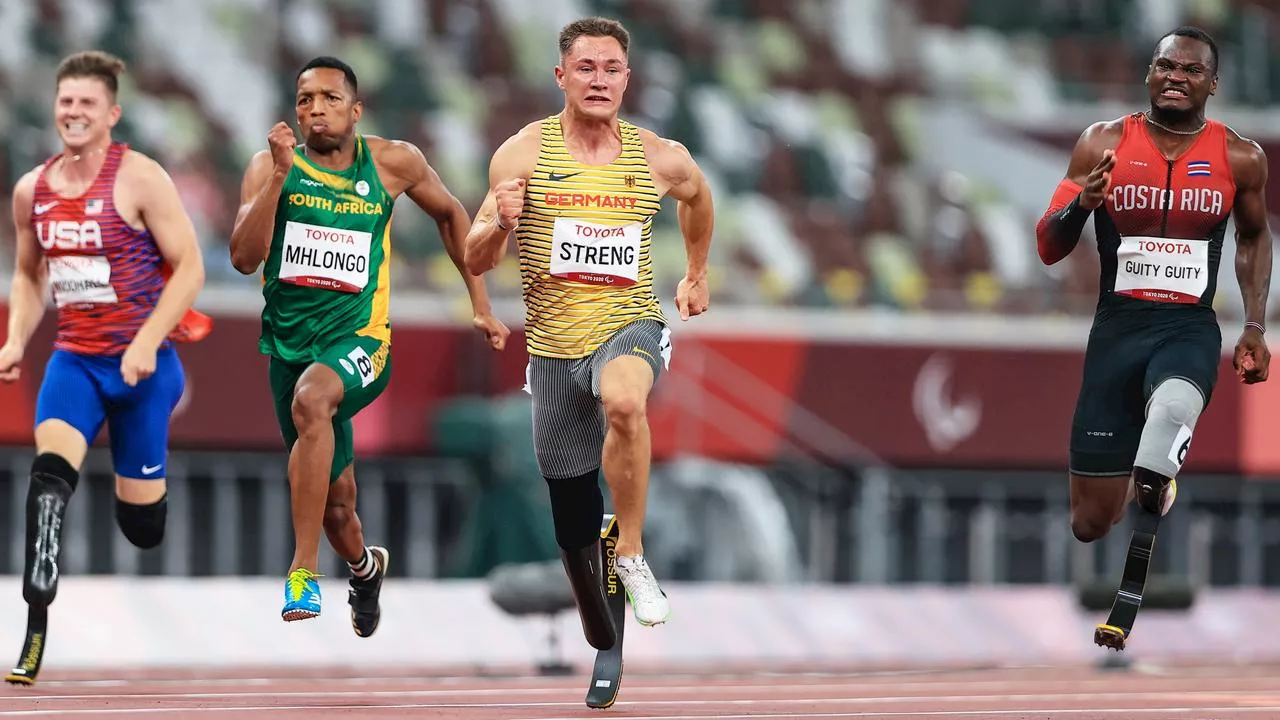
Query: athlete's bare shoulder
[1234, 136]
[1248, 149]
[140, 167]
[1107, 128]
[517, 156]
[1093, 142]
[530, 132]
[140, 171]
[260, 160]
[398, 156]
[145, 194]
[1248, 159]
[400, 164]
[25, 241]
[380, 146]
[525, 142]
[658, 147]
[1102, 135]
[670, 162]
[25, 189]
[256, 175]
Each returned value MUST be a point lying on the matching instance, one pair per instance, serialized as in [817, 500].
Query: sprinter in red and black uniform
[1161, 186]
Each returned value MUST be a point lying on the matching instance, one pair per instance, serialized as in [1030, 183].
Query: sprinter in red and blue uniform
[102, 227]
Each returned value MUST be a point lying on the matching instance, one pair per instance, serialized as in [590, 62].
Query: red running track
[1227, 693]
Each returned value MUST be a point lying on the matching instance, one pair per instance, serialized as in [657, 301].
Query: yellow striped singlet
[584, 246]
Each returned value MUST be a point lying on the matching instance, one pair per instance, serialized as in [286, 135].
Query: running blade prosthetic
[606, 676]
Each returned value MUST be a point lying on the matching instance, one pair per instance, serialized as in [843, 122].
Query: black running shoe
[363, 596]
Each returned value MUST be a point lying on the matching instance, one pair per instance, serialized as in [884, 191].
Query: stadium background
[879, 398]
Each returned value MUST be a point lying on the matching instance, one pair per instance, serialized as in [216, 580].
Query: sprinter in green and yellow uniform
[317, 220]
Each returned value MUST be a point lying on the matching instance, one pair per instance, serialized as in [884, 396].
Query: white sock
[628, 561]
[364, 569]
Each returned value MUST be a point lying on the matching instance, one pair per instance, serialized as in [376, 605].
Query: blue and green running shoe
[301, 595]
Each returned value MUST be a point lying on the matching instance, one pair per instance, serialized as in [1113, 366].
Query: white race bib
[1162, 269]
[317, 256]
[595, 254]
[361, 366]
[81, 279]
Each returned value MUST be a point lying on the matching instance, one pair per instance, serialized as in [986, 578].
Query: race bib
[361, 366]
[1162, 269]
[80, 280]
[595, 254]
[322, 257]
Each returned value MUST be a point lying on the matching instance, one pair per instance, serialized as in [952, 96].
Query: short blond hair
[93, 64]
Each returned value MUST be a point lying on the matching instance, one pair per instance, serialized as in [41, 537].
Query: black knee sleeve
[53, 481]
[576, 508]
[143, 525]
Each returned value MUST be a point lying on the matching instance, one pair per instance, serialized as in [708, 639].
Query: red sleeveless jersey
[105, 275]
[1160, 230]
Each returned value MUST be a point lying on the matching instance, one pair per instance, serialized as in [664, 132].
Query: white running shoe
[648, 602]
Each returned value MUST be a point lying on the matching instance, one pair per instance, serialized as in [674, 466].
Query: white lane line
[1125, 712]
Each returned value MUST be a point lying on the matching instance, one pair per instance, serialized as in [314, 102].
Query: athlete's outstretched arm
[175, 236]
[259, 196]
[30, 275]
[428, 191]
[695, 211]
[509, 171]
[1253, 254]
[1081, 192]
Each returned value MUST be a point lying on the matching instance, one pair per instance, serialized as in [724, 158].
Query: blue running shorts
[86, 391]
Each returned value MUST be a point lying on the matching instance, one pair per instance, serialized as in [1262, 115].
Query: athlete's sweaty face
[593, 75]
[1182, 76]
[84, 112]
[327, 109]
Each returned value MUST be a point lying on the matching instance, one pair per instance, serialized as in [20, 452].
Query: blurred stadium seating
[817, 121]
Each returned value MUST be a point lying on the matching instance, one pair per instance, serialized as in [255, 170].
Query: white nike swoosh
[42, 209]
[148, 469]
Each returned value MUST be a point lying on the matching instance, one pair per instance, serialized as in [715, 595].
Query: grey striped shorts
[568, 419]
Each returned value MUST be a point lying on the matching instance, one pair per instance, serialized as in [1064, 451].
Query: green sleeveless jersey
[327, 273]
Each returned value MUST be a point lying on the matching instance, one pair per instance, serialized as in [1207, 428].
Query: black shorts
[1127, 357]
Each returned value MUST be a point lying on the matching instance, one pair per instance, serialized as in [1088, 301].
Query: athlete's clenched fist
[510, 197]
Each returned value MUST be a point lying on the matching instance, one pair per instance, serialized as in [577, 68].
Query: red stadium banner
[737, 391]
